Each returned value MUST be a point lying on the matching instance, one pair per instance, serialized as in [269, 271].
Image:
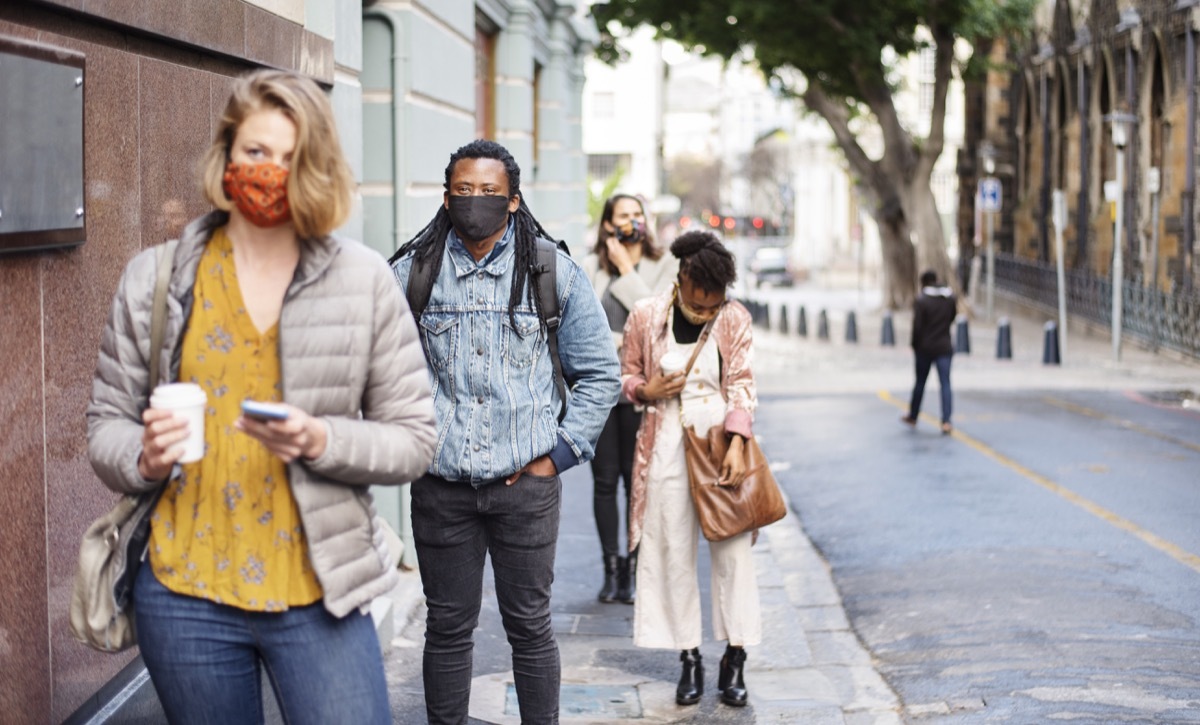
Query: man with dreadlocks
[503, 433]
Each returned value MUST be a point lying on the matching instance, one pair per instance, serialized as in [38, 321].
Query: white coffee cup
[673, 362]
[186, 400]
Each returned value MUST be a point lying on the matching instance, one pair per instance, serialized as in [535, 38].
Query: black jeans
[924, 362]
[455, 526]
[614, 461]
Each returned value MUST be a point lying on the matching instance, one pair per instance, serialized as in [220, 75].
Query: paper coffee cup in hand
[673, 362]
[188, 401]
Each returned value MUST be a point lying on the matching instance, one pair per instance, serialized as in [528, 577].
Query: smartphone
[264, 411]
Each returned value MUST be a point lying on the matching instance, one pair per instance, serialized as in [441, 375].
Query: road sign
[989, 194]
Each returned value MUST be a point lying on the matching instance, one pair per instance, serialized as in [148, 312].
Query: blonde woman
[266, 552]
[625, 267]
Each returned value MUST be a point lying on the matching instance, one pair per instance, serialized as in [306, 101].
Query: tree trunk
[921, 209]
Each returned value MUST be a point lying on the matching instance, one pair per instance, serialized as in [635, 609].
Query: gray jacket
[652, 276]
[349, 354]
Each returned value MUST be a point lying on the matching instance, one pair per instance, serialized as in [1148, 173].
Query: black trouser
[614, 461]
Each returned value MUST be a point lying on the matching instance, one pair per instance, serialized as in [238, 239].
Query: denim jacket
[493, 385]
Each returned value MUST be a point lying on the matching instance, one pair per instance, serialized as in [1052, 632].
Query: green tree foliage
[833, 54]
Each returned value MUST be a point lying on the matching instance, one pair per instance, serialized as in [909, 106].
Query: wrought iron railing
[1158, 318]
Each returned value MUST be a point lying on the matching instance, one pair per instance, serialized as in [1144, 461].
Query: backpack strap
[420, 283]
[546, 278]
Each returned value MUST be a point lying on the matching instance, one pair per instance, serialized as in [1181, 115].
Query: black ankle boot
[731, 682]
[627, 579]
[691, 680]
[608, 592]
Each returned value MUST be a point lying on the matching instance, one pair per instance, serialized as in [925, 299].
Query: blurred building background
[410, 81]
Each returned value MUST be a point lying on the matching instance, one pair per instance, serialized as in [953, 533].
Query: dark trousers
[455, 526]
[924, 362]
[613, 462]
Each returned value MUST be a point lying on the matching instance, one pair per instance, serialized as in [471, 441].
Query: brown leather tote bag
[726, 511]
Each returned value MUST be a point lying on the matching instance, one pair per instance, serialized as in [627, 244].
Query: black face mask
[476, 218]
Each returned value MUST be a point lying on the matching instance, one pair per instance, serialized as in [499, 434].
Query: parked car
[772, 265]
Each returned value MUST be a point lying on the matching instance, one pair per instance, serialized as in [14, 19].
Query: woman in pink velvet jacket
[661, 335]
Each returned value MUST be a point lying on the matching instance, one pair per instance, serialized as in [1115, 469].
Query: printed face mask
[476, 218]
[631, 231]
[259, 191]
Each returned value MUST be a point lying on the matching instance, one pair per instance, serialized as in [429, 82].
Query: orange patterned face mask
[259, 191]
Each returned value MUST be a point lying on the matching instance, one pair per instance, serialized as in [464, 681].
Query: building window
[485, 83]
[603, 166]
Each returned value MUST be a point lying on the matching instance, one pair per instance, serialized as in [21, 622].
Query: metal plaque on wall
[41, 146]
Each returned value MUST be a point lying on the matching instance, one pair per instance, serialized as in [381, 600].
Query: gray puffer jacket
[349, 354]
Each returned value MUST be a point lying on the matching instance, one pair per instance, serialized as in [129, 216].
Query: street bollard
[851, 327]
[1050, 354]
[1003, 339]
[802, 323]
[889, 331]
[783, 318]
[962, 336]
[822, 326]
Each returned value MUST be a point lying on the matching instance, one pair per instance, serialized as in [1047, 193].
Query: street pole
[1154, 186]
[1118, 266]
[991, 264]
[1060, 221]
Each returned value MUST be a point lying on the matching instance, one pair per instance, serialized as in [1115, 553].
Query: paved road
[1039, 565]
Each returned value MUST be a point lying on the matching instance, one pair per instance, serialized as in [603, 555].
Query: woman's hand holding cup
[662, 386]
[162, 434]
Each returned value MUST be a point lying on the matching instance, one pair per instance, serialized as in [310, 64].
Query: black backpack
[545, 276]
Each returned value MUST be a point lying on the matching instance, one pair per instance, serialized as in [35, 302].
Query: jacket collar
[495, 263]
[316, 253]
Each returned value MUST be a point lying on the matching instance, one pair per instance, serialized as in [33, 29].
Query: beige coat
[349, 354]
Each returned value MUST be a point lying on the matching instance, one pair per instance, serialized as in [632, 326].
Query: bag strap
[546, 278]
[699, 344]
[165, 256]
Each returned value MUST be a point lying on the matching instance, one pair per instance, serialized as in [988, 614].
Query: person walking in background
[504, 437]
[625, 266]
[660, 336]
[933, 314]
[267, 551]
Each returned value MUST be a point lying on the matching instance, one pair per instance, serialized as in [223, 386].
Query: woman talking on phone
[266, 552]
[624, 267]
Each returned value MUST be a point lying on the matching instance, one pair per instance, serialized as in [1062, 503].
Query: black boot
[608, 592]
[691, 680]
[731, 682]
[627, 579]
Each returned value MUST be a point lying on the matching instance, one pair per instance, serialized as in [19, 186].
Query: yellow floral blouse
[227, 529]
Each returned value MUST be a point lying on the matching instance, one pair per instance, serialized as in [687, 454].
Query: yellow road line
[1174, 551]
[1127, 424]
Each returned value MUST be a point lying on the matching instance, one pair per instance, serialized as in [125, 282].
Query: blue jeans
[924, 362]
[455, 526]
[205, 659]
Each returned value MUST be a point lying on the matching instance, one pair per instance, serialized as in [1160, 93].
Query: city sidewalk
[811, 668]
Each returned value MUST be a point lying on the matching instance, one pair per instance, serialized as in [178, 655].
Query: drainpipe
[399, 75]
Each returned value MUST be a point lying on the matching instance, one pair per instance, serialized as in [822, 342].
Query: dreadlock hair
[428, 246]
[704, 260]
[650, 250]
